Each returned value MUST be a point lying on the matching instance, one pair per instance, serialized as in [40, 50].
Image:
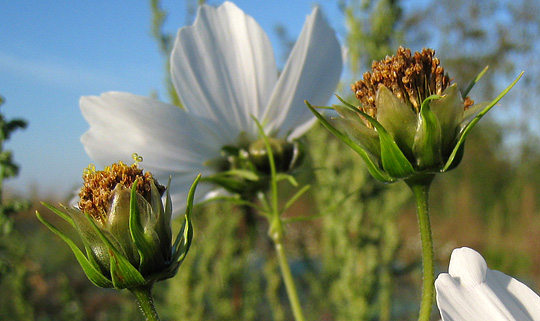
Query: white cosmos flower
[224, 72]
[472, 292]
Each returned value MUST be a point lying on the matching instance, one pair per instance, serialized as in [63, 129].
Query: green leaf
[93, 274]
[123, 274]
[427, 141]
[286, 177]
[372, 167]
[466, 130]
[295, 197]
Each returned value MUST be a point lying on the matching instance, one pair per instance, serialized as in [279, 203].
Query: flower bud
[411, 122]
[246, 170]
[125, 228]
[287, 155]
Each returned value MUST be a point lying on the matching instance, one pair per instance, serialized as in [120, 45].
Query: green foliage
[359, 235]
[222, 279]
[12, 250]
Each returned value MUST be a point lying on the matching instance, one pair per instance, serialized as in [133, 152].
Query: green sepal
[234, 180]
[427, 141]
[398, 119]
[96, 250]
[470, 113]
[245, 174]
[58, 212]
[356, 129]
[93, 274]
[393, 160]
[449, 112]
[163, 221]
[147, 245]
[466, 130]
[371, 166]
[457, 159]
[185, 235]
[473, 82]
[115, 226]
[123, 273]
[168, 205]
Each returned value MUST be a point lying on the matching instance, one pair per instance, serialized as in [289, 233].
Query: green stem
[276, 233]
[420, 189]
[146, 302]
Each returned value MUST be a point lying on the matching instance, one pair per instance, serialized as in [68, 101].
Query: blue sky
[52, 53]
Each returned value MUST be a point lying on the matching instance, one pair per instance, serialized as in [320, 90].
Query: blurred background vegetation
[359, 260]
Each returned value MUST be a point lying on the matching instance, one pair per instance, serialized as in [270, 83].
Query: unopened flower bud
[411, 122]
[287, 155]
[125, 228]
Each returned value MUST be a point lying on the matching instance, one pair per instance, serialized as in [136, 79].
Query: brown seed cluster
[411, 78]
[95, 195]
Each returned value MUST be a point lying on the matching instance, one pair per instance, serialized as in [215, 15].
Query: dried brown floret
[95, 195]
[411, 77]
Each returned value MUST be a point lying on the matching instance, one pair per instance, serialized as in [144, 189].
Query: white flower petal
[223, 68]
[312, 73]
[171, 141]
[471, 291]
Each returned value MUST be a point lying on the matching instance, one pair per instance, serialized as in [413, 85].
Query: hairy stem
[420, 189]
[146, 302]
